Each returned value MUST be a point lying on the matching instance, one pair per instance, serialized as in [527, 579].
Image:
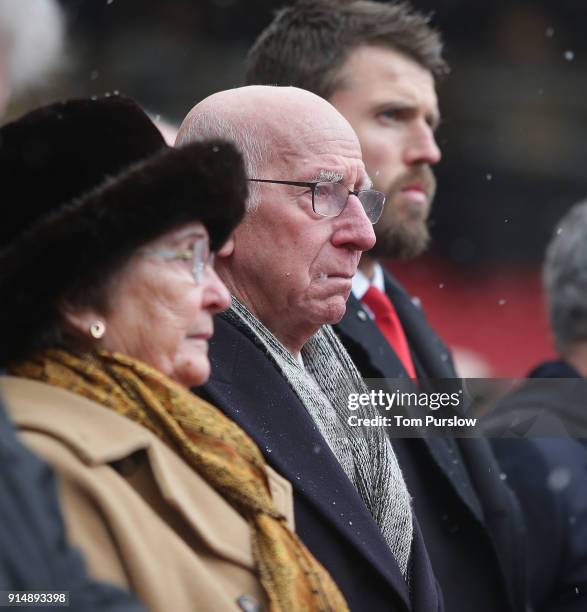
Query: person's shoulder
[555, 368]
[227, 344]
[392, 283]
[59, 422]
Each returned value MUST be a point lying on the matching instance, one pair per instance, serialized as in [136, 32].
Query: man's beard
[402, 232]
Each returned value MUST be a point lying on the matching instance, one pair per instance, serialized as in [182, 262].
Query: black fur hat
[84, 184]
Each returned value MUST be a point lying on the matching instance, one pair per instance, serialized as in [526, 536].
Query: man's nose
[421, 147]
[353, 230]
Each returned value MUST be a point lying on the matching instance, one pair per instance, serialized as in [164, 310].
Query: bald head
[268, 112]
[262, 120]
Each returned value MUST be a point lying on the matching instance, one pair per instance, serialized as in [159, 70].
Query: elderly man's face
[391, 103]
[292, 267]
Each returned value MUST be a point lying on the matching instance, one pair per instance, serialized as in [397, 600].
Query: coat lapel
[218, 525]
[447, 456]
[377, 360]
[431, 356]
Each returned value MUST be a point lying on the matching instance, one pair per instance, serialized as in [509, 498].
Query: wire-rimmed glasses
[199, 254]
[329, 198]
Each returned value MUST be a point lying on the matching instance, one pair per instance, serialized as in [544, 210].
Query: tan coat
[144, 519]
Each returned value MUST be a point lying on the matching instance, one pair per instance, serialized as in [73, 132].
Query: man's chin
[401, 243]
[334, 310]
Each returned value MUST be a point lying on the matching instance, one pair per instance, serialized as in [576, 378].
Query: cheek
[189, 357]
[279, 260]
[165, 325]
[381, 155]
[314, 256]
[383, 158]
[191, 366]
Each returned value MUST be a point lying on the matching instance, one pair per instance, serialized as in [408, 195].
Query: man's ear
[227, 248]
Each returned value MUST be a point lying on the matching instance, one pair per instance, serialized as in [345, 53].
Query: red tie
[389, 325]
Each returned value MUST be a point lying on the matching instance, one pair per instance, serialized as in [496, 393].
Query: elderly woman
[107, 296]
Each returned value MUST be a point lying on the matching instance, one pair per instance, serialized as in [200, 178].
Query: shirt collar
[361, 282]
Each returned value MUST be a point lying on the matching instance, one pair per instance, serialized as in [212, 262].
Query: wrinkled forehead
[312, 143]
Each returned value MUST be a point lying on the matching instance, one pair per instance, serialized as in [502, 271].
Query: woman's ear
[227, 248]
[80, 320]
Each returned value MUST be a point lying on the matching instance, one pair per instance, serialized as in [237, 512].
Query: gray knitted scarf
[365, 453]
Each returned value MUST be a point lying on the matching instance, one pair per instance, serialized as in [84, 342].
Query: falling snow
[559, 479]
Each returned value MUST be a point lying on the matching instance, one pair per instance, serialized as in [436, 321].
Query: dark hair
[96, 295]
[307, 43]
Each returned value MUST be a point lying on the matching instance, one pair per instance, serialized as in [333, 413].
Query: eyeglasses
[199, 255]
[329, 199]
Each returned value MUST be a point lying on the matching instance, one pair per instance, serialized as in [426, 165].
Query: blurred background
[512, 134]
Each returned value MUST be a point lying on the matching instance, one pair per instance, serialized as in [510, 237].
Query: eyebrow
[327, 176]
[434, 118]
[330, 176]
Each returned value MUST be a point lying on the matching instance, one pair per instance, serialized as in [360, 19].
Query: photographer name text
[384, 401]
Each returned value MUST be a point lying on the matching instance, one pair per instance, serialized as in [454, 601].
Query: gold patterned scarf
[221, 452]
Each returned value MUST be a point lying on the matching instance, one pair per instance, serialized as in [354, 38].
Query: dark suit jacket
[331, 519]
[470, 520]
[34, 553]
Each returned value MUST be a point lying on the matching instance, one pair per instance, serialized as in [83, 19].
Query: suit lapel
[372, 355]
[447, 456]
[431, 356]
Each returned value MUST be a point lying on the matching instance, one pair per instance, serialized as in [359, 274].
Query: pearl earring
[97, 329]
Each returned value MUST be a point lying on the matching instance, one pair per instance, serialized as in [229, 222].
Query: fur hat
[84, 184]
